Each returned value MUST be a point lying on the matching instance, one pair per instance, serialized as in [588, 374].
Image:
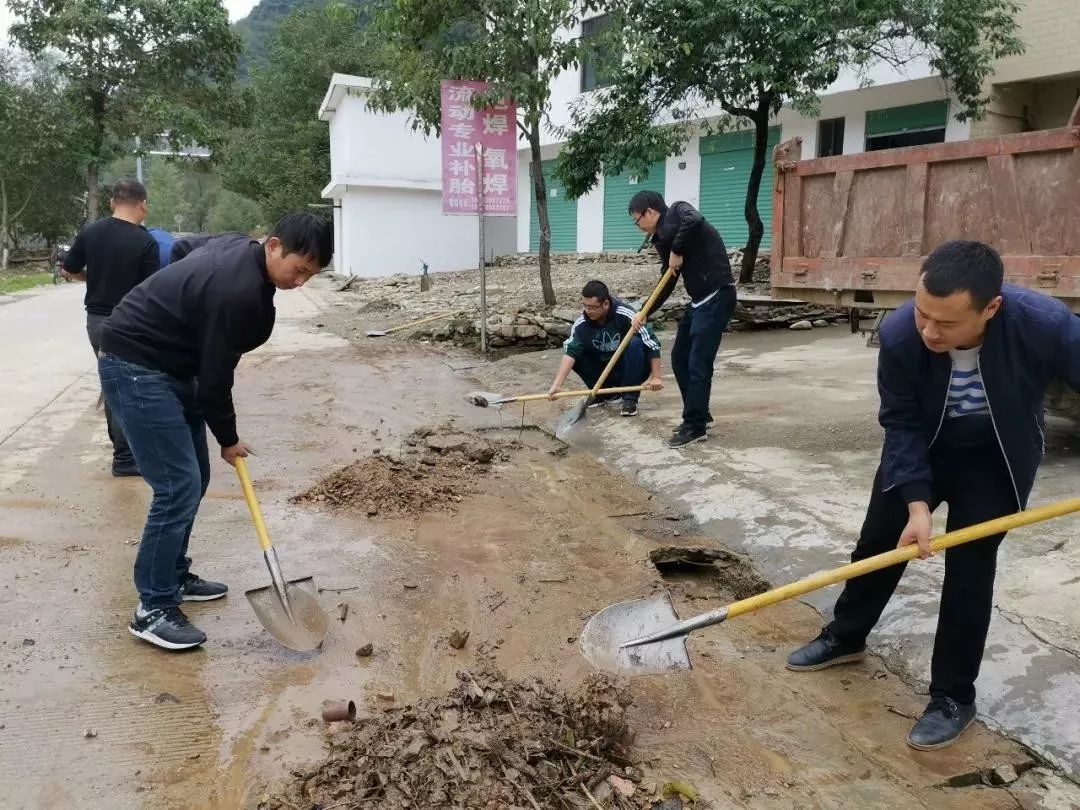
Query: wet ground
[90, 717]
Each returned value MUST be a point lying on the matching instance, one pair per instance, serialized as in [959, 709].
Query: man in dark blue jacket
[594, 338]
[961, 375]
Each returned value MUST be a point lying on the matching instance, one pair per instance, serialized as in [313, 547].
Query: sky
[236, 8]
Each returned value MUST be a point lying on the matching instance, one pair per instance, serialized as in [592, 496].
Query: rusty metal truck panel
[853, 230]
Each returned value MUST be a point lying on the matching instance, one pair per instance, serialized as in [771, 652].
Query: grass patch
[23, 281]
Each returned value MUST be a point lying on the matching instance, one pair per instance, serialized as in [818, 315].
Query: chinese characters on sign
[495, 129]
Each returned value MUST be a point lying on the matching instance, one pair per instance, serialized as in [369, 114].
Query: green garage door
[620, 232]
[562, 214]
[725, 171]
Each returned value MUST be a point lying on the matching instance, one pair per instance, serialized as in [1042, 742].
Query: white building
[387, 179]
[386, 186]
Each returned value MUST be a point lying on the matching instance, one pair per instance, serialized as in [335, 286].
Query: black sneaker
[197, 589]
[127, 469]
[629, 407]
[941, 724]
[601, 401]
[167, 628]
[685, 435]
[823, 652]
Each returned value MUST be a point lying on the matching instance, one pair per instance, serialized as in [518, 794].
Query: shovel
[289, 610]
[577, 413]
[485, 399]
[411, 324]
[645, 636]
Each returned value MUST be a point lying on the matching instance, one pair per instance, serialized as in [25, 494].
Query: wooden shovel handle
[622, 389]
[422, 321]
[664, 279]
[889, 558]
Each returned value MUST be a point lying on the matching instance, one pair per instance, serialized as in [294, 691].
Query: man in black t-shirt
[113, 255]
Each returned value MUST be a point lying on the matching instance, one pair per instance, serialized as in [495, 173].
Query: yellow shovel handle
[879, 561]
[622, 389]
[630, 335]
[422, 321]
[253, 504]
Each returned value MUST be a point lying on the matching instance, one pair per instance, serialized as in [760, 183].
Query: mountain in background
[257, 28]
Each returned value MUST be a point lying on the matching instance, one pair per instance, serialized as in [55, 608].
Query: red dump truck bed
[853, 230]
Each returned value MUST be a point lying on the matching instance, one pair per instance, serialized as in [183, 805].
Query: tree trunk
[753, 217]
[540, 193]
[4, 225]
[92, 201]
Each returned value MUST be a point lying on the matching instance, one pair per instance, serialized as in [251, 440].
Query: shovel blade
[307, 629]
[483, 399]
[568, 420]
[376, 333]
[608, 630]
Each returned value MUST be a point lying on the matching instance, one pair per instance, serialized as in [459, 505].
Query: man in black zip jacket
[168, 353]
[962, 372]
[690, 246]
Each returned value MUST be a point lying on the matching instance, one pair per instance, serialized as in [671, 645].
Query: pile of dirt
[435, 470]
[489, 743]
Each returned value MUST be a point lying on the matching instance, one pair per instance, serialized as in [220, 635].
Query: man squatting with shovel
[691, 247]
[596, 334]
[168, 353]
[962, 372]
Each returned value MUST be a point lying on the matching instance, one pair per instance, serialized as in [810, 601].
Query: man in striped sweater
[962, 373]
[595, 336]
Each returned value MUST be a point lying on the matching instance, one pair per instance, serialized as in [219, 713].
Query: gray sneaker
[167, 628]
[197, 589]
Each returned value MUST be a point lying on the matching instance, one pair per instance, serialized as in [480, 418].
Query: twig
[628, 514]
[457, 765]
[591, 798]
[339, 590]
[578, 751]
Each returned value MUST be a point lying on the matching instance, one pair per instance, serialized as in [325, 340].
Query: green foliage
[137, 67]
[168, 205]
[232, 212]
[744, 59]
[282, 160]
[16, 282]
[40, 159]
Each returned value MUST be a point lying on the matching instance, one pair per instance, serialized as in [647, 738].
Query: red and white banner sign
[495, 129]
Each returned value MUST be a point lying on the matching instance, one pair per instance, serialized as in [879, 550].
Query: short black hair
[964, 266]
[306, 233]
[644, 200]
[596, 289]
[129, 191]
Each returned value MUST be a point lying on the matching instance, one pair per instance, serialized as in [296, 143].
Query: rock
[624, 787]
[568, 315]
[526, 332]
[481, 454]
[801, 326]
[459, 638]
[28, 642]
[365, 651]
[819, 324]
[387, 696]
[90, 733]
[556, 328]
[166, 697]
[1004, 775]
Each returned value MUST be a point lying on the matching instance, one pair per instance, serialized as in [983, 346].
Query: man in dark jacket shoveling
[596, 334]
[961, 374]
[690, 246]
[168, 353]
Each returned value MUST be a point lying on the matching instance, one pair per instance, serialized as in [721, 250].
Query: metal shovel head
[574, 415]
[608, 630]
[484, 399]
[377, 333]
[307, 629]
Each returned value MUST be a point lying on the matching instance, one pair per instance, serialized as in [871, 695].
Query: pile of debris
[434, 471]
[489, 743]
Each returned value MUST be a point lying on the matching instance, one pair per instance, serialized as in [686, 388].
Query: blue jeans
[694, 353]
[161, 419]
[121, 452]
[632, 368]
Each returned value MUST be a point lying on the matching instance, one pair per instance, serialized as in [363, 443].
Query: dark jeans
[977, 487]
[632, 369]
[121, 452]
[161, 417]
[694, 353]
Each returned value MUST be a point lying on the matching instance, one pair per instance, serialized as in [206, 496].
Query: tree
[136, 67]
[282, 159]
[169, 208]
[744, 59]
[519, 46]
[232, 212]
[37, 171]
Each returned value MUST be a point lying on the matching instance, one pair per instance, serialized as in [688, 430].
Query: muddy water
[521, 565]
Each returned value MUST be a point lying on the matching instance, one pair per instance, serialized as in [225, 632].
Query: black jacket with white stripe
[599, 340]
